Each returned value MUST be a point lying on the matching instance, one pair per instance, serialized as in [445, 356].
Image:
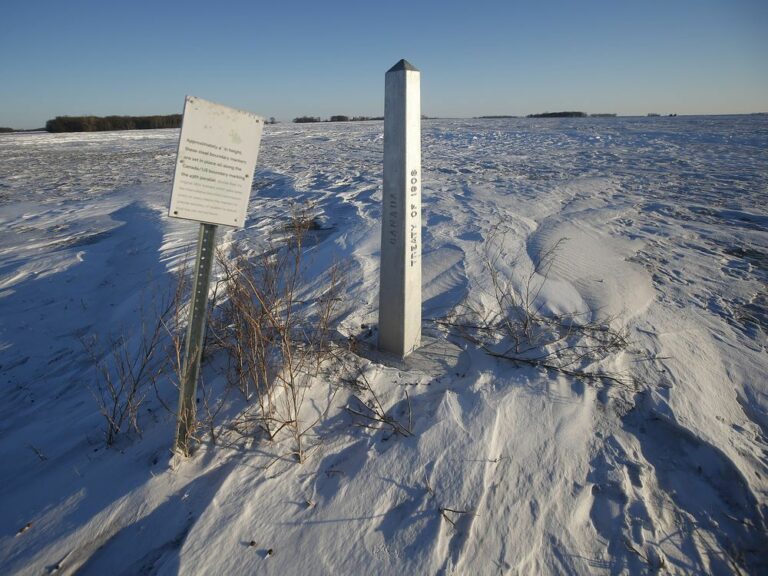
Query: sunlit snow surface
[665, 222]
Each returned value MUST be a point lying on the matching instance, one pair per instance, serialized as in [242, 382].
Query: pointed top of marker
[403, 65]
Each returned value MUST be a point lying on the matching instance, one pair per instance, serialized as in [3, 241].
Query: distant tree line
[100, 124]
[568, 114]
[6, 130]
[335, 118]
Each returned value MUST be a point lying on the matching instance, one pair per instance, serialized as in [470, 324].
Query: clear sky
[286, 58]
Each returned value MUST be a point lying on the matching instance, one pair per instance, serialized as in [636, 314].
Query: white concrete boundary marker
[400, 285]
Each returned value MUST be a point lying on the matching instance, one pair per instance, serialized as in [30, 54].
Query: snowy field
[656, 227]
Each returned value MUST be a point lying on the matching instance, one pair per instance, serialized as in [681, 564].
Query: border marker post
[400, 275]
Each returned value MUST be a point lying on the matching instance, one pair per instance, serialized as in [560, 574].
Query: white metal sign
[216, 159]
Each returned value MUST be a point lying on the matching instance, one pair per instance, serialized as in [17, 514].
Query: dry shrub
[131, 363]
[275, 342]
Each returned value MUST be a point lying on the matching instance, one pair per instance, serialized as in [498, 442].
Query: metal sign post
[218, 148]
[195, 341]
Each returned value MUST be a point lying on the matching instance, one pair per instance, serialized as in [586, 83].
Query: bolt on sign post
[216, 159]
[400, 276]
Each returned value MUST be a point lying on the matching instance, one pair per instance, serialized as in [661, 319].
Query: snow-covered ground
[661, 226]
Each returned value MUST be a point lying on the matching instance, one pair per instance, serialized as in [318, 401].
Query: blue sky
[286, 58]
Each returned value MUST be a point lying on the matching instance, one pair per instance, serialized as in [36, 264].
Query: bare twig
[373, 410]
[518, 331]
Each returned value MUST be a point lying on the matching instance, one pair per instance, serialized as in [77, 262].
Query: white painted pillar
[400, 285]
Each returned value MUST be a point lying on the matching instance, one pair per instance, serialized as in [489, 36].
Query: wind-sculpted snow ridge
[451, 462]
